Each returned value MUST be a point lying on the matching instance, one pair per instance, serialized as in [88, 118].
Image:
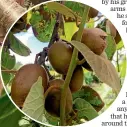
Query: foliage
[86, 102]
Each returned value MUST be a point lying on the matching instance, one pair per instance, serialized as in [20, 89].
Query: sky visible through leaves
[33, 43]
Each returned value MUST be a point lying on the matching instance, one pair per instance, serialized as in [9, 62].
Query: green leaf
[6, 77]
[11, 120]
[120, 45]
[76, 7]
[91, 96]
[9, 115]
[111, 47]
[103, 68]
[84, 108]
[6, 107]
[8, 62]
[42, 28]
[17, 46]
[123, 68]
[62, 9]
[34, 103]
[90, 24]
[69, 28]
[52, 120]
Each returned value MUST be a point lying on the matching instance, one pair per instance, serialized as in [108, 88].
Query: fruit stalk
[73, 63]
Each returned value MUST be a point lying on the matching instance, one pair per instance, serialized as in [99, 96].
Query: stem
[117, 61]
[9, 71]
[72, 66]
[80, 62]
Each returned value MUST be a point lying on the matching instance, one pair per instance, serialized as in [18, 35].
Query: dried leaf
[103, 68]
[34, 103]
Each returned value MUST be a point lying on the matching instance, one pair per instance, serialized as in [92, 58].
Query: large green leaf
[91, 96]
[84, 108]
[34, 103]
[17, 46]
[103, 68]
[111, 46]
[9, 115]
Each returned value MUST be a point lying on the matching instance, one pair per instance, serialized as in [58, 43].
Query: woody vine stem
[73, 63]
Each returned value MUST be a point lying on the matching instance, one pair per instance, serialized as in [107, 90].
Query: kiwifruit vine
[58, 92]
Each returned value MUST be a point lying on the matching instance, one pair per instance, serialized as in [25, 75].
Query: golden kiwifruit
[112, 28]
[59, 55]
[53, 97]
[117, 38]
[94, 39]
[92, 13]
[23, 81]
[77, 79]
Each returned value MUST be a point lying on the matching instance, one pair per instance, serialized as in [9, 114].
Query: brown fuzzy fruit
[117, 38]
[94, 39]
[23, 81]
[92, 13]
[112, 28]
[53, 97]
[77, 79]
[60, 56]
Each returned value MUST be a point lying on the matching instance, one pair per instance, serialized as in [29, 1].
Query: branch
[41, 57]
[72, 66]
[10, 11]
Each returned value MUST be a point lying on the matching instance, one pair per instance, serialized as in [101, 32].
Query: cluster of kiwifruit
[59, 56]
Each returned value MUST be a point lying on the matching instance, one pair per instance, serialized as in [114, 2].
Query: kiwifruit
[53, 97]
[23, 81]
[59, 55]
[93, 38]
[117, 38]
[112, 28]
[92, 13]
[77, 79]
